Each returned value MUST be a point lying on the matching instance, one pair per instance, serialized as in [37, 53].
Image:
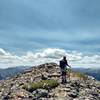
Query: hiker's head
[64, 57]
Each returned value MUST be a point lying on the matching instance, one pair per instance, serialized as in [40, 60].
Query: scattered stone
[40, 93]
[6, 97]
[12, 88]
[73, 94]
[43, 77]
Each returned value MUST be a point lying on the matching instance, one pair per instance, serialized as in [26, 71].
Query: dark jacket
[63, 64]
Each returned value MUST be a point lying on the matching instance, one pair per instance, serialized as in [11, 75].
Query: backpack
[62, 64]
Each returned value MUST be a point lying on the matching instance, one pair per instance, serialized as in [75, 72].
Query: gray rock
[6, 97]
[40, 93]
[73, 93]
[72, 90]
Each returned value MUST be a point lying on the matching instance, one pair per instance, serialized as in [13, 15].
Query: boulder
[40, 93]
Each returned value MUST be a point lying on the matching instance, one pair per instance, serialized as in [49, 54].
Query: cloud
[76, 59]
[49, 15]
[2, 52]
[64, 24]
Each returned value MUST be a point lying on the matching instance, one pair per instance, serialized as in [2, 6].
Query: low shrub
[44, 84]
[81, 75]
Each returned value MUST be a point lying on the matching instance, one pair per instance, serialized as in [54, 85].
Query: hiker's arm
[67, 64]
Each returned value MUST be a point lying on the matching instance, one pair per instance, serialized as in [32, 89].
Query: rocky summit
[43, 82]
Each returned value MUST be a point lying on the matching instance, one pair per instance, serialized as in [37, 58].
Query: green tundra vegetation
[43, 84]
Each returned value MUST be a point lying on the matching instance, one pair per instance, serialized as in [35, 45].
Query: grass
[81, 75]
[44, 84]
[77, 74]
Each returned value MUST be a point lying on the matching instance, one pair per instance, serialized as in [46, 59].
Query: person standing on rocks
[63, 66]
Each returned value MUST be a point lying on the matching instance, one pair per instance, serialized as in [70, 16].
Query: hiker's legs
[64, 77]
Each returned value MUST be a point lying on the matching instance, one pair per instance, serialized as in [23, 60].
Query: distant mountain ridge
[10, 72]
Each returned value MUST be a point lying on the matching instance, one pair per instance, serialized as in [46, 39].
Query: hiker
[63, 67]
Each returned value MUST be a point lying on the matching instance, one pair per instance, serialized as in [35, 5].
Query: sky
[28, 27]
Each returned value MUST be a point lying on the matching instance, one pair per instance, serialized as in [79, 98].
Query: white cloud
[3, 52]
[76, 59]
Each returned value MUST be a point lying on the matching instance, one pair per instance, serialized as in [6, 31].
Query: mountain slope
[89, 71]
[44, 81]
